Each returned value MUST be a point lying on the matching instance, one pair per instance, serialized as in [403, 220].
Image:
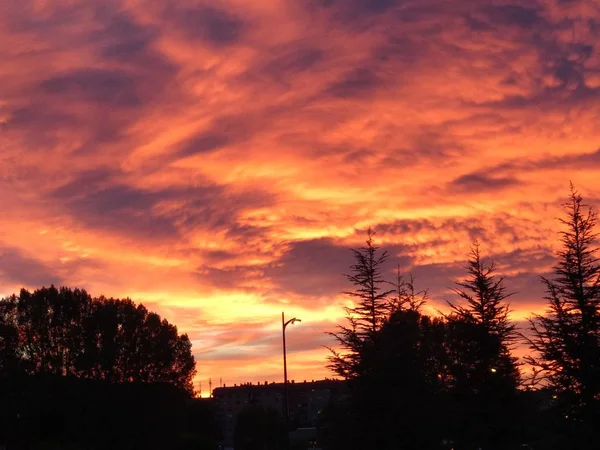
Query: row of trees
[421, 382]
[66, 332]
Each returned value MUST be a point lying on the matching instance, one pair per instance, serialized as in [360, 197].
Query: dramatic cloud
[317, 268]
[216, 160]
[16, 267]
[213, 25]
[474, 182]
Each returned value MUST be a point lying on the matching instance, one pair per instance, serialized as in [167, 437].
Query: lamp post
[284, 325]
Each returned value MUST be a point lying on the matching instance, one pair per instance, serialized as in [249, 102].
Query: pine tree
[370, 312]
[566, 341]
[408, 367]
[485, 297]
[372, 308]
[484, 375]
[407, 298]
[392, 352]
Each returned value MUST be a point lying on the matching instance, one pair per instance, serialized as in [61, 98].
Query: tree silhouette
[403, 393]
[371, 311]
[125, 342]
[397, 399]
[395, 362]
[9, 337]
[67, 333]
[485, 297]
[50, 329]
[406, 296]
[566, 341]
[484, 375]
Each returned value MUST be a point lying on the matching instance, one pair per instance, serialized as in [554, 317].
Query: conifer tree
[372, 301]
[566, 341]
[372, 307]
[406, 296]
[484, 376]
[394, 360]
[486, 305]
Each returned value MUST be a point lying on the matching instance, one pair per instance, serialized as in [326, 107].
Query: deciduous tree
[9, 336]
[66, 332]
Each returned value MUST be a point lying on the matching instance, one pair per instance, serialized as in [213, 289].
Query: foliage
[483, 376]
[65, 332]
[9, 337]
[485, 296]
[414, 381]
[398, 398]
[371, 310]
[391, 352]
[480, 333]
[407, 297]
[408, 363]
[566, 341]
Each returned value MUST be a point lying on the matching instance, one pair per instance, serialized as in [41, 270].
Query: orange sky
[215, 159]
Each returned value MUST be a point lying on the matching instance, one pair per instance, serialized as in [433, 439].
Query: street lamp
[284, 325]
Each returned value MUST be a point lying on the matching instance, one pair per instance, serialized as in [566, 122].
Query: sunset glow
[215, 160]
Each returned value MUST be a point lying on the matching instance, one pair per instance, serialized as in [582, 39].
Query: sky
[217, 159]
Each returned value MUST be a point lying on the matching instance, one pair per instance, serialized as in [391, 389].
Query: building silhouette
[306, 400]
